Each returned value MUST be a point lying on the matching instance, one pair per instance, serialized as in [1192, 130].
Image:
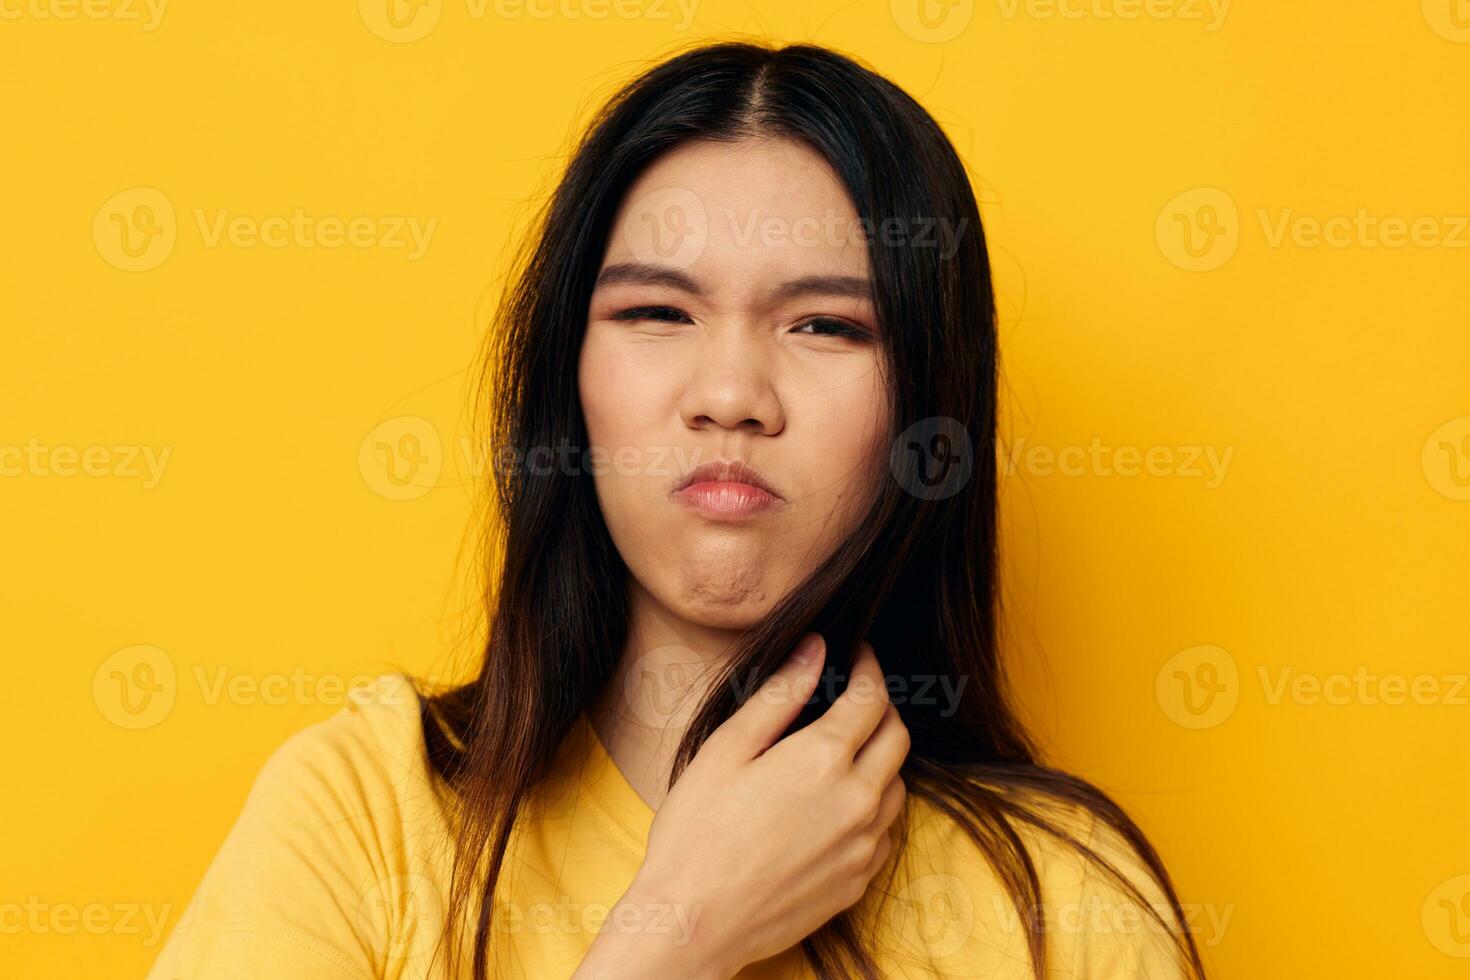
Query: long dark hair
[917, 578]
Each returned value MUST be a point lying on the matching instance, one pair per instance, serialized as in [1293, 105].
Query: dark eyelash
[837, 328]
[665, 314]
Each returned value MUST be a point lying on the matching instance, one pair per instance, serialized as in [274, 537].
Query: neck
[663, 673]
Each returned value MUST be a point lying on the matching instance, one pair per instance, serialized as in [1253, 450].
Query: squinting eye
[828, 327]
[666, 314]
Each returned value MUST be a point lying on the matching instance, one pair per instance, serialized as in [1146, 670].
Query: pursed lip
[726, 471]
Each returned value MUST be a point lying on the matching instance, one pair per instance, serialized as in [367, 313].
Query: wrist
[649, 933]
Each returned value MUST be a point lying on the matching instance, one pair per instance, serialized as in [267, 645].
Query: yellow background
[1154, 616]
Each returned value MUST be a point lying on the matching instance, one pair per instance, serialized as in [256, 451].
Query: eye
[665, 314]
[824, 326]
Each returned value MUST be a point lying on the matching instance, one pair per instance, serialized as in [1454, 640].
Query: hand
[764, 838]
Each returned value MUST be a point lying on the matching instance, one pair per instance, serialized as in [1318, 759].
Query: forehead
[757, 210]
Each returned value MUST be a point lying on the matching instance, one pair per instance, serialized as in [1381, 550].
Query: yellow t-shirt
[338, 867]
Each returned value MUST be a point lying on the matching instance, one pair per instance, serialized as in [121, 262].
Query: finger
[883, 754]
[760, 722]
[858, 710]
[890, 804]
[880, 855]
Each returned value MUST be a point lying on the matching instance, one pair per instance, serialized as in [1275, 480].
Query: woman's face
[732, 322]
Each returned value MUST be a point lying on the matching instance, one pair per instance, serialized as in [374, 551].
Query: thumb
[760, 721]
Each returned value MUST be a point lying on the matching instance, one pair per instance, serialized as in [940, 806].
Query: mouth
[725, 490]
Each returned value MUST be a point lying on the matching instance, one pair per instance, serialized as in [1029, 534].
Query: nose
[731, 384]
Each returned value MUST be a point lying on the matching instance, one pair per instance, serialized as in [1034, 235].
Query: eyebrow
[647, 274]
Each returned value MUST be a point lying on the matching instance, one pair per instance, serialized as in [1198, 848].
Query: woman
[744, 398]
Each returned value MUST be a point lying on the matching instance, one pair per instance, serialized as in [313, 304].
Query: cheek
[596, 378]
[625, 412]
[615, 393]
[850, 438]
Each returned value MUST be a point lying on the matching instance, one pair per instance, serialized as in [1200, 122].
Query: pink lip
[725, 490]
[724, 500]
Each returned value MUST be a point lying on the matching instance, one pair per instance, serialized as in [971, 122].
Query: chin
[724, 603]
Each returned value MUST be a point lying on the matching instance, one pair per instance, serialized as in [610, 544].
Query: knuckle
[868, 688]
[864, 806]
[830, 749]
[879, 851]
[848, 890]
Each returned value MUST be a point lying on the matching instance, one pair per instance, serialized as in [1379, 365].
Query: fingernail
[806, 650]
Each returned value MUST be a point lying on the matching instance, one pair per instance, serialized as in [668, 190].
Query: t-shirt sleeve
[307, 881]
[1104, 932]
[948, 913]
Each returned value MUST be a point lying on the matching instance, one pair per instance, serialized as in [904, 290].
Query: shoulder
[1098, 897]
[333, 842]
[356, 777]
[1109, 914]
[375, 740]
